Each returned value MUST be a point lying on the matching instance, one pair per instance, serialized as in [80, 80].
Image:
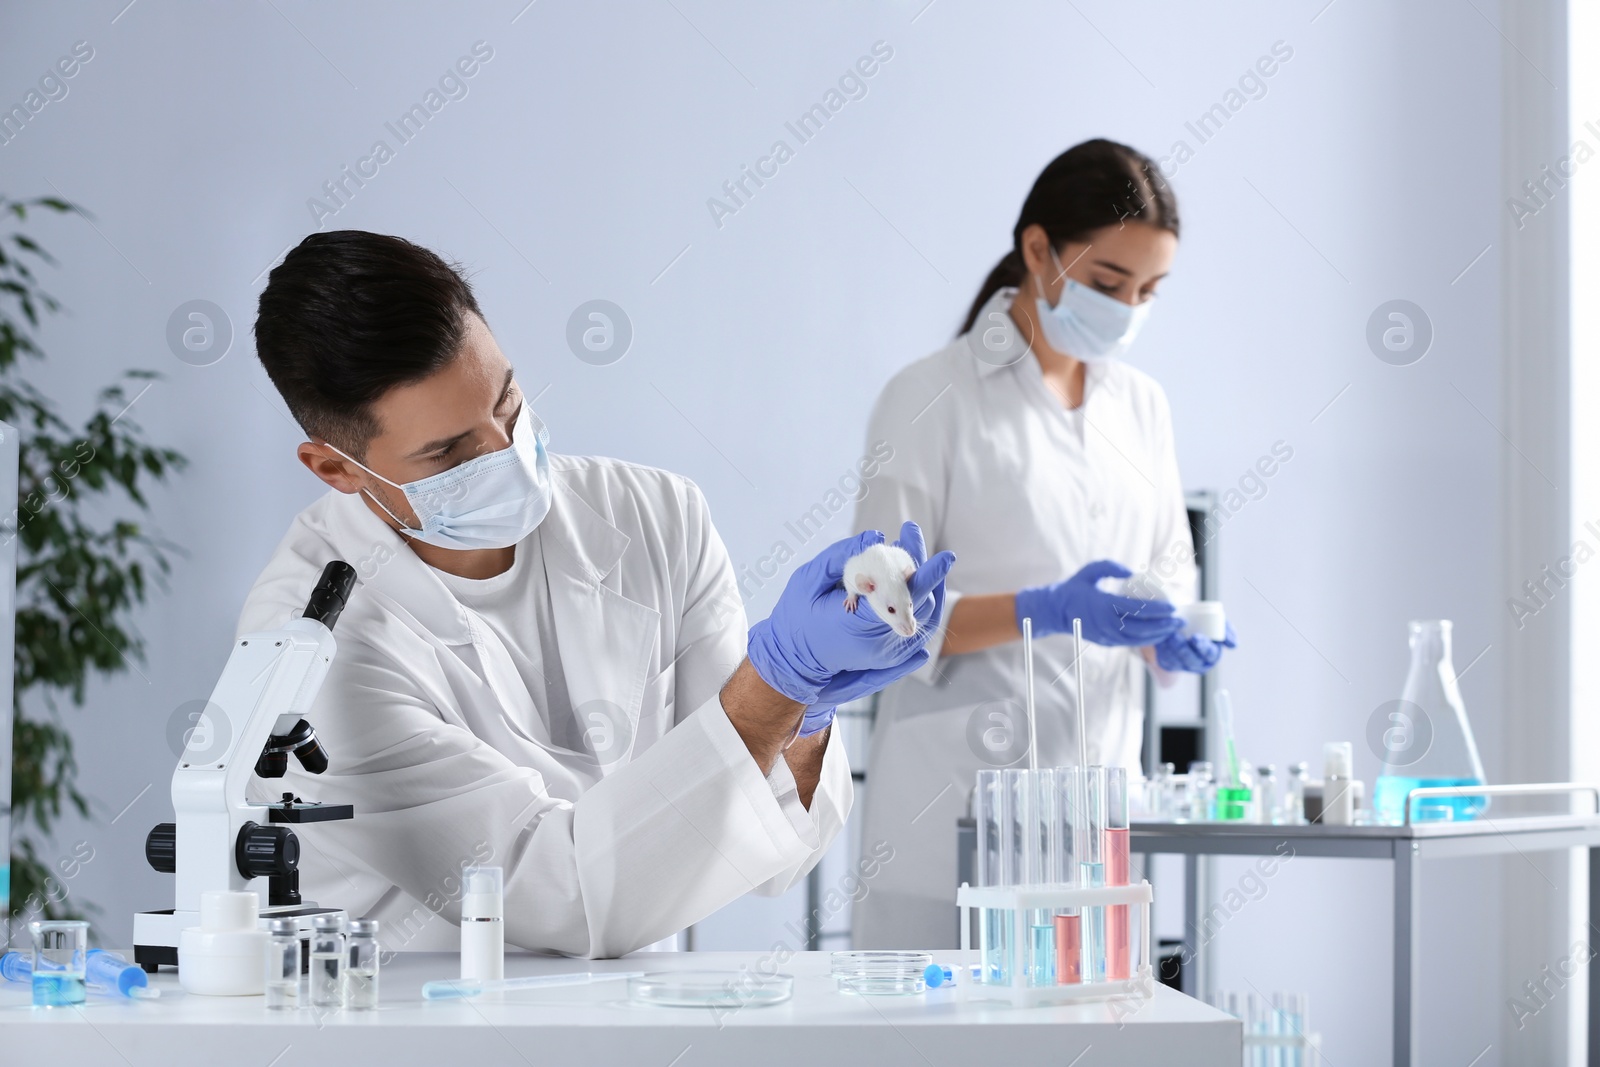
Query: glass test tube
[1116, 853]
[60, 961]
[1068, 921]
[1089, 832]
[1041, 848]
[1289, 1019]
[989, 813]
[1014, 809]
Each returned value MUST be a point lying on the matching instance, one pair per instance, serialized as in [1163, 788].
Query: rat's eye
[891, 611]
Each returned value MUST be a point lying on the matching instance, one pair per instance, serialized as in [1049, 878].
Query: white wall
[579, 166]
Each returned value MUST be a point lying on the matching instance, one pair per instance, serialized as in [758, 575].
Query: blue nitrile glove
[1108, 619]
[813, 651]
[1195, 653]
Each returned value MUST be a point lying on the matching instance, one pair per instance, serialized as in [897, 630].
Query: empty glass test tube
[991, 812]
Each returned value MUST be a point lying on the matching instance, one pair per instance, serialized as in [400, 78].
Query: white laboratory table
[594, 1024]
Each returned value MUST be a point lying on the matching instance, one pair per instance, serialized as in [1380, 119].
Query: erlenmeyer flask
[1426, 740]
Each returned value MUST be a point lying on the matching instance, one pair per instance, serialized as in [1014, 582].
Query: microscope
[222, 839]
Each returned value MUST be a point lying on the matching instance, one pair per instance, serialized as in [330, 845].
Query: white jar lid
[222, 909]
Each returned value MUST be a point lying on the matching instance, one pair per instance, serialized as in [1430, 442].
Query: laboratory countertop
[595, 1024]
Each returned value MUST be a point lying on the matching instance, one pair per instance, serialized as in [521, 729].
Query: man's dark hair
[349, 315]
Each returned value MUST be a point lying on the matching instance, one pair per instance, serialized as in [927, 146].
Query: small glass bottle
[361, 966]
[1203, 790]
[283, 965]
[1294, 807]
[327, 961]
[1268, 805]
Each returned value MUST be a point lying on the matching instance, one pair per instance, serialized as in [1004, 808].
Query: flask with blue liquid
[1425, 738]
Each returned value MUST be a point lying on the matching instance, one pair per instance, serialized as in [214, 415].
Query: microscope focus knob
[263, 851]
[161, 847]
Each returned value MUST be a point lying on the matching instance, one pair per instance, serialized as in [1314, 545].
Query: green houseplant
[79, 573]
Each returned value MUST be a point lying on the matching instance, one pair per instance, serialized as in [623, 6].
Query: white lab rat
[880, 574]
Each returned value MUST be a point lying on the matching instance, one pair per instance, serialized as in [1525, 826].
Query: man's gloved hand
[1108, 619]
[812, 650]
[1194, 653]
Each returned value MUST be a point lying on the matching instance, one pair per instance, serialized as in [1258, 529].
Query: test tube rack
[1019, 900]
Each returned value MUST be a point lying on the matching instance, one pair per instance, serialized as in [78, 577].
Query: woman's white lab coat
[1025, 492]
[660, 820]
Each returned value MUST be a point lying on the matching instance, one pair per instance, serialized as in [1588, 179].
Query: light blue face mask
[490, 501]
[1089, 325]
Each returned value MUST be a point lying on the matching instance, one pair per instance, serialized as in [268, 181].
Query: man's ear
[331, 467]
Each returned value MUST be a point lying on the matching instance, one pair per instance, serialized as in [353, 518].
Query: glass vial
[1294, 802]
[361, 966]
[283, 965]
[327, 961]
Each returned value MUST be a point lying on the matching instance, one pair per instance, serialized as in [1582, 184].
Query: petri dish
[711, 989]
[881, 973]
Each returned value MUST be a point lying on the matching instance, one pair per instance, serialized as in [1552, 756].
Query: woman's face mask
[491, 501]
[1086, 324]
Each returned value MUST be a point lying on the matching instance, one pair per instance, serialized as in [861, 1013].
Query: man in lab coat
[543, 666]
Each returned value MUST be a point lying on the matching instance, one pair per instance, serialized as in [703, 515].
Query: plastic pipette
[1225, 720]
[1077, 671]
[1027, 670]
[454, 988]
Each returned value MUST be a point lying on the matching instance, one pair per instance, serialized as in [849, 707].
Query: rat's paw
[850, 601]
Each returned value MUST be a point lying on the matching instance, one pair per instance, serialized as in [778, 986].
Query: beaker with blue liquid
[60, 961]
[1425, 739]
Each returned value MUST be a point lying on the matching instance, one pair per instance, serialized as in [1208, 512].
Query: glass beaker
[60, 961]
[1426, 740]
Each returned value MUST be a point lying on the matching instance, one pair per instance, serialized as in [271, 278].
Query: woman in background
[1047, 464]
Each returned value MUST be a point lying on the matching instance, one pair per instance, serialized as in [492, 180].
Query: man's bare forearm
[805, 762]
[766, 720]
[764, 717]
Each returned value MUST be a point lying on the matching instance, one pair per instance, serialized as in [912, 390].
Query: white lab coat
[1025, 492]
[435, 740]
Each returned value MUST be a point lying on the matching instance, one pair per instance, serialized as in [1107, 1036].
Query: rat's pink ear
[868, 585]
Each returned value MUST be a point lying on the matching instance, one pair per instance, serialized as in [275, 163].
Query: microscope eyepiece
[332, 591]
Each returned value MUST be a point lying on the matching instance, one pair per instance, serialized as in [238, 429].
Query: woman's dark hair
[1090, 185]
[349, 315]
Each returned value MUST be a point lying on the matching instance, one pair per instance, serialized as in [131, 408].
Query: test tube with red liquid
[1068, 921]
[1118, 955]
